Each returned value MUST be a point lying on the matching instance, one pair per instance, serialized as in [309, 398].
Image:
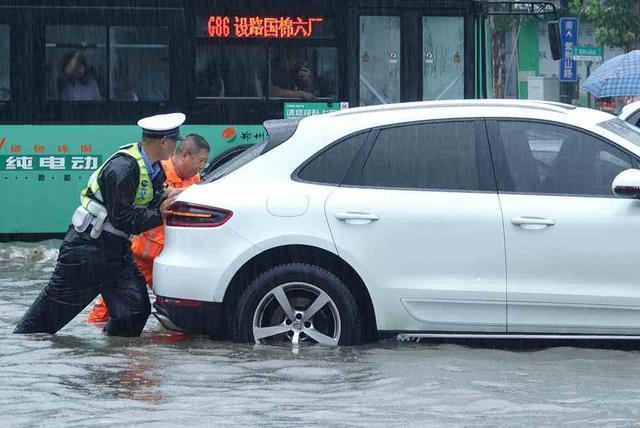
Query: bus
[76, 75]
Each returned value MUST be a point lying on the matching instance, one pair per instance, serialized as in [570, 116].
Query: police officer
[124, 196]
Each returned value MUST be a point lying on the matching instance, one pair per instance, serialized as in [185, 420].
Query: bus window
[131, 50]
[230, 71]
[303, 72]
[5, 87]
[76, 59]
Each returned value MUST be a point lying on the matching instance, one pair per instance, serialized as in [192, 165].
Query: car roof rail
[551, 106]
[556, 104]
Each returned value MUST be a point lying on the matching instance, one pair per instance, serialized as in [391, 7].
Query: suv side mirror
[627, 184]
[555, 44]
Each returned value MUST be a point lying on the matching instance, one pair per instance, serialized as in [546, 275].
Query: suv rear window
[331, 165]
[278, 131]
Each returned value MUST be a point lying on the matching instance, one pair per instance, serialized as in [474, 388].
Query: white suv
[472, 216]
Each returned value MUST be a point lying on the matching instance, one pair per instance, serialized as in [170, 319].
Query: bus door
[443, 59]
[379, 60]
[413, 54]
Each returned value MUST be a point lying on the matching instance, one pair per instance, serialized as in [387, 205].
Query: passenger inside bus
[77, 81]
[299, 84]
[294, 77]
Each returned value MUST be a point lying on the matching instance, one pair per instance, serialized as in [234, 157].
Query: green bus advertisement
[43, 168]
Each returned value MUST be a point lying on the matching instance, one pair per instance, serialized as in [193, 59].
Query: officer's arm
[158, 189]
[119, 183]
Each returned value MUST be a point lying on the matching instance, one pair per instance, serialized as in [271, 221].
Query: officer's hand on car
[166, 205]
[168, 197]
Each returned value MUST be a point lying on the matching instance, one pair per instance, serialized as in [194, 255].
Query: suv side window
[552, 159]
[331, 165]
[434, 155]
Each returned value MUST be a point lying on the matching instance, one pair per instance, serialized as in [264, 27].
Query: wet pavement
[80, 377]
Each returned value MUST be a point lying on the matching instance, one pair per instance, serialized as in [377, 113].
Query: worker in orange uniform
[182, 170]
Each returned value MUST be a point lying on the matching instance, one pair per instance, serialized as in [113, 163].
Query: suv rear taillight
[193, 215]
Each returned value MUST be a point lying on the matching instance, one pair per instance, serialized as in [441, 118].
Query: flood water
[80, 377]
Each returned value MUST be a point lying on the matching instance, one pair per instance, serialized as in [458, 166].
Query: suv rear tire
[298, 304]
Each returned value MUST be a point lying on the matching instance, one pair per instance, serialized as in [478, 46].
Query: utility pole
[566, 88]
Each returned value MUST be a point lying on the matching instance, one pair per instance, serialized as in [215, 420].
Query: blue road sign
[569, 38]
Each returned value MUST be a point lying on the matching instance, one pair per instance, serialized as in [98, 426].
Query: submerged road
[80, 377]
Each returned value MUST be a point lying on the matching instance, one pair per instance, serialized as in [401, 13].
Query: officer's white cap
[162, 125]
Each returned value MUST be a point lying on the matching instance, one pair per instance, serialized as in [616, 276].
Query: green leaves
[616, 23]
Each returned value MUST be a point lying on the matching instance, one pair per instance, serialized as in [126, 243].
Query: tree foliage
[500, 27]
[616, 23]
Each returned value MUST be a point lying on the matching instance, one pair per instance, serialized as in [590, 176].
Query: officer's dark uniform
[87, 267]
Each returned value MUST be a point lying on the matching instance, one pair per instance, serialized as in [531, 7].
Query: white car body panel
[430, 255]
[480, 272]
[214, 255]
[203, 270]
[579, 275]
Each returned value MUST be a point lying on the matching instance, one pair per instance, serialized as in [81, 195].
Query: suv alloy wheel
[298, 304]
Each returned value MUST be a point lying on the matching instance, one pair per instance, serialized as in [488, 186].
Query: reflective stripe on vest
[144, 193]
[145, 252]
[148, 245]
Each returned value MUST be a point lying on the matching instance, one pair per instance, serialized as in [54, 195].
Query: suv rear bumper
[190, 316]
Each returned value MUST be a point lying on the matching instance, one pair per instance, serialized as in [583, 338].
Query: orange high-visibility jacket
[149, 244]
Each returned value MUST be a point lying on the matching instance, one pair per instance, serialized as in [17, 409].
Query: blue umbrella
[618, 76]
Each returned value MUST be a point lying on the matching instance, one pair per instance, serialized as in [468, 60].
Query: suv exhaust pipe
[167, 323]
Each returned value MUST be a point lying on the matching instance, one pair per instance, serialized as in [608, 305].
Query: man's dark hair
[197, 140]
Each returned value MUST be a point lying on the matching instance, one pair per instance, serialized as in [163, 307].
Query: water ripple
[80, 377]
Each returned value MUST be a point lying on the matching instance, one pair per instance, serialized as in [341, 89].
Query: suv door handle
[536, 222]
[356, 217]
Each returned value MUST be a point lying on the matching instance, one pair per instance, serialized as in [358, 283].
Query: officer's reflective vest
[144, 193]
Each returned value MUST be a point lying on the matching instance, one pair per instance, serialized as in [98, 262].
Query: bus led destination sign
[261, 27]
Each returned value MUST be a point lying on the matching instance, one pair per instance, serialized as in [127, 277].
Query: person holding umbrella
[617, 77]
